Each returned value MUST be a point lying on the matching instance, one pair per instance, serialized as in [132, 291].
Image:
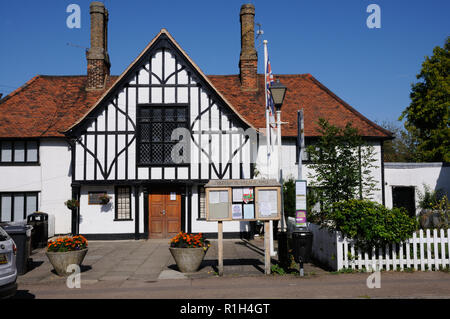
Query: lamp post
[278, 92]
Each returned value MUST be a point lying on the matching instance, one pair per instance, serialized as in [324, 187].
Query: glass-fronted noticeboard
[243, 200]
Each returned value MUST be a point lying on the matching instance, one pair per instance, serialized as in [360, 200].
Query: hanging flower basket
[188, 251]
[104, 199]
[72, 204]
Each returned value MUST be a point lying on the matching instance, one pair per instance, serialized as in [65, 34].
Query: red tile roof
[46, 106]
[303, 91]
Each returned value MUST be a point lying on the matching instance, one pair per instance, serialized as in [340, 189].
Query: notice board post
[243, 200]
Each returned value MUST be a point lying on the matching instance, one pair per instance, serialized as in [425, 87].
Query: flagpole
[266, 57]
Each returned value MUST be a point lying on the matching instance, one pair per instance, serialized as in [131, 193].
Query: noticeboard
[268, 203]
[243, 202]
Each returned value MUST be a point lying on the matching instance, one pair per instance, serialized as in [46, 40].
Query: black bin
[21, 234]
[302, 245]
[39, 235]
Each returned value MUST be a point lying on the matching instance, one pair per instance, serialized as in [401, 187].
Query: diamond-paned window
[155, 127]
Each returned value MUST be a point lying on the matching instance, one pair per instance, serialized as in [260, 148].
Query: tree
[402, 148]
[427, 117]
[341, 165]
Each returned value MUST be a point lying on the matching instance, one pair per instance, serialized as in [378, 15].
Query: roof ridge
[348, 106]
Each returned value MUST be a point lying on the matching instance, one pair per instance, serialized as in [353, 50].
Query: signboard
[300, 203]
[242, 201]
[268, 203]
[94, 197]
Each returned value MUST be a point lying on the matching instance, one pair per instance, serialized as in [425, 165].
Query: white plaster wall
[99, 219]
[51, 179]
[56, 179]
[20, 178]
[434, 175]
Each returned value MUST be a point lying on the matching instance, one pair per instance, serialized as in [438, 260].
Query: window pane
[19, 151]
[123, 208]
[202, 213]
[18, 207]
[6, 151]
[31, 204]
[32, 151]
[5, 209]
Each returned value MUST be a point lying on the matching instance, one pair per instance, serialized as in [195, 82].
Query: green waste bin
[21, 235]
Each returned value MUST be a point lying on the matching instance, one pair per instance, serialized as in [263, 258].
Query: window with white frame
[17, 206]
[123, 203]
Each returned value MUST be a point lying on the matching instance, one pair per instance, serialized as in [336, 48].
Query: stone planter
[188, 259]
[61, 260]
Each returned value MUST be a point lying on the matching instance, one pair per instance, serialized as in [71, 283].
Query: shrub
[184, 240]
[67, 243]
[430, 199]
[371, 224]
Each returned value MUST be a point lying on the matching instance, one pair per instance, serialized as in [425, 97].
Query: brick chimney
[97, 56]
[248, 62]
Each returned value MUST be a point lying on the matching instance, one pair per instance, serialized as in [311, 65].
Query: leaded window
[155, 127]
[123, 203]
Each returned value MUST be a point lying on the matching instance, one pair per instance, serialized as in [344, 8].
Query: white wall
[56, 179]
[434, 175]
[99, 219]
[51, 178]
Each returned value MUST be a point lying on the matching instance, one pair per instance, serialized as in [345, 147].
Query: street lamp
[278, 92]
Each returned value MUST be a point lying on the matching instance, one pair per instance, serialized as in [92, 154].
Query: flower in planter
[72, 204]
[67, 243]
[185, 240]
[104, 198]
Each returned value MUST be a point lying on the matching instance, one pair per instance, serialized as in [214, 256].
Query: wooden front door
[164, 214]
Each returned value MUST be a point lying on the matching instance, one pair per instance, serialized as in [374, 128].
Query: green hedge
[370, 223]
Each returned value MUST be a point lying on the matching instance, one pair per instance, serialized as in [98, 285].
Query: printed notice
[249, 211]
[236, 211]
[214, 197]
[238, 194]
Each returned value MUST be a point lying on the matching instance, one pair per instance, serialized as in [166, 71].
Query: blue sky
[371, 69]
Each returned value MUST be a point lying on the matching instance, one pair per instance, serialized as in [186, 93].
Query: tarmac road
[354, 285]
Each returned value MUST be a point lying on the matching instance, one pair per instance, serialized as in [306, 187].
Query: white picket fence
[427, 250]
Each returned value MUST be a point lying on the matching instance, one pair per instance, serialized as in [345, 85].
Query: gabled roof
[48, 106]
[129, 72]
